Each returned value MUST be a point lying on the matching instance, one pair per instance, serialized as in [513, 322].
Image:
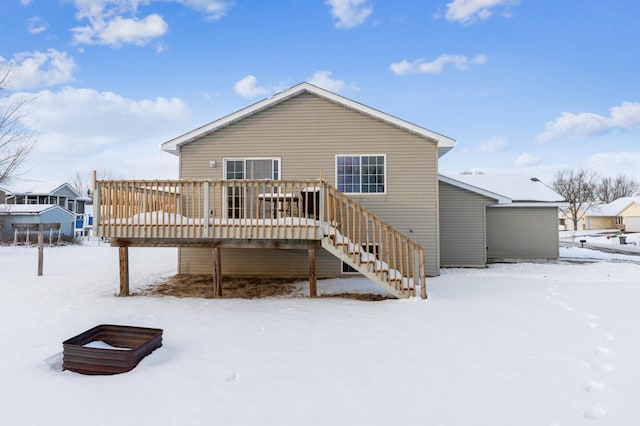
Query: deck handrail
[365, 237]
[201, 208]
[299, 209]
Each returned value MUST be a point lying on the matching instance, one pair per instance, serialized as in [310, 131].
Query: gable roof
[517, 189]
[29, 209]
[173, 146]
[25, 186]
[499, 198]
[614, 208]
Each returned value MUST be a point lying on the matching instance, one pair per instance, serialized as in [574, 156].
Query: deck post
[124, 271]
[206, 212]
[423, 277]
[217, 273]
[40, 248]
[313, 284]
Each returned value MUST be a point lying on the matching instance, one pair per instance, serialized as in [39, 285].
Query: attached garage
[632, 224]
[485, 218]
[515, 232]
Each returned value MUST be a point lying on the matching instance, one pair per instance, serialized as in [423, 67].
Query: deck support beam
[313, 284]
[217, 273]
[124, 271]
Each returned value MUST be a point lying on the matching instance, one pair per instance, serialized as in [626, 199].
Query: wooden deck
[257, 213]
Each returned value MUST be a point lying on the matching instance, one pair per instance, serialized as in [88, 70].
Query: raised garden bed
[109, 349]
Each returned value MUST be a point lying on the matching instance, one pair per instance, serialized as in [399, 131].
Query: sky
[524, 87]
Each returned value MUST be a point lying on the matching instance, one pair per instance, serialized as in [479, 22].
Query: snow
[517, 188]
[513, 344]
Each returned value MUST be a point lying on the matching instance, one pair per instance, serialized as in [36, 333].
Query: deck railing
[240, 209]
[260, 209]
[368, 240]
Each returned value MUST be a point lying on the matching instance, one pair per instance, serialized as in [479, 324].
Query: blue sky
[525, 87]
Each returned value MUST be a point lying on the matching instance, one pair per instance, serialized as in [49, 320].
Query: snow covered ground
[516, 344]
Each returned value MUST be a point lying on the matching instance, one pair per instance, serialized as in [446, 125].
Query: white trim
[173, 146]
[500, 198]
[244, 159]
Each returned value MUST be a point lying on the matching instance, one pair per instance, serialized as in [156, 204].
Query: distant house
[28, 216]
[45, 194]
[485, 218]
[623, 214]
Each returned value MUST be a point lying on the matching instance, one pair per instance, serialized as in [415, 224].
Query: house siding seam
[522, 232]
[307, 132]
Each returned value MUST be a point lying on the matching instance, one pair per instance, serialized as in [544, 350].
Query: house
[305, 183]
[622, 214]
[34, 192]
[22, 218]
[488, 218]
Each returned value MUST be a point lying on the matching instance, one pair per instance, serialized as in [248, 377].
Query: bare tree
[610, 189]
[83, 182]
[16, 140]
[578, 187]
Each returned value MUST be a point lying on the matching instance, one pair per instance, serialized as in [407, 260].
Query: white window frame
[244, 160]
[386, 182]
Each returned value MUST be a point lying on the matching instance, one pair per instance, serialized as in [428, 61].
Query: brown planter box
[137, 342]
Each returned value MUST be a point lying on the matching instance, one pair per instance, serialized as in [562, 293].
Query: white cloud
[349, 13]
[115, 22]
[35, 25]
[461, 62]
[494, 144]
[616, 163]
[247, 87]
[31, 70]
[472, 11]
[213, 9]
[119, 31]
[26, 2]
[525, 160]
[84, 121]
[586, 124]
[323, 79]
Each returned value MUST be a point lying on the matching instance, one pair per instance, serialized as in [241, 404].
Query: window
[361, 174]
[619, 220]
[246, 168]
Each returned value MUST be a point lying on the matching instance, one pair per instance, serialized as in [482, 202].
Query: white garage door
[632, 224]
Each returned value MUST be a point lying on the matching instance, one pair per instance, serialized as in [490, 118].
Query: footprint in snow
[596, 411]
[595, 387]
[601, 350]
[232, 377]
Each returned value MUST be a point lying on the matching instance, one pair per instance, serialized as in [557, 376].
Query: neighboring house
[485, 218]
[33, 191]
[23, 216]
[22, 191]
[623, 214]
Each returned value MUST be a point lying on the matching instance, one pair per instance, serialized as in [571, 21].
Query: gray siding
[307, 132]
[522, 233]
[462, 227]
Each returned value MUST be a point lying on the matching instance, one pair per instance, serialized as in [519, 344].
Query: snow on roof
[173, 146]
[26, 208]
[37, 187]
[614, 208]
[518, 188]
